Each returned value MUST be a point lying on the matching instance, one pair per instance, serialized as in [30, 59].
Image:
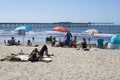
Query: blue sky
[60, 11]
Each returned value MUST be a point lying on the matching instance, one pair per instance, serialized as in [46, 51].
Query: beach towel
[23, 58]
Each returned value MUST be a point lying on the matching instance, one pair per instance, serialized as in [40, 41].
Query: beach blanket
[23, 58]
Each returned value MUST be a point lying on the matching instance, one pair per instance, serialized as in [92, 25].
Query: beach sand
[68, 64]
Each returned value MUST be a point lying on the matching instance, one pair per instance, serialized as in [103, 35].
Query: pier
[9, 25]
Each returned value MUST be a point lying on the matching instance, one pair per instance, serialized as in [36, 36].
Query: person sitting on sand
[49, 39]
[18, 43]
[12, 41]
[8, 43]
[83, 44]
[53, 41]
[29, 43]
[74, 42]
[36, 55]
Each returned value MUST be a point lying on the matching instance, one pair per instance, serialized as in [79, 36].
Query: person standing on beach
[68, 39]
[33, 39]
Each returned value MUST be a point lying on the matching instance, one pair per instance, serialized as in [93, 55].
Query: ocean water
[40, 33]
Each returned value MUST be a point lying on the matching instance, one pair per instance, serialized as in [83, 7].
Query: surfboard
[47, 58]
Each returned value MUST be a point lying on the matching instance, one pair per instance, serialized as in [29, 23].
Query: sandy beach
[68, 64]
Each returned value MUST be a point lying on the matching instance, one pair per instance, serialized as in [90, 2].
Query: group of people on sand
[37, 55]
[68, 41]
[73, 42]
[12, 42]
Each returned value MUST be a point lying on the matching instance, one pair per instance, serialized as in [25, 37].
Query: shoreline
[41, 39]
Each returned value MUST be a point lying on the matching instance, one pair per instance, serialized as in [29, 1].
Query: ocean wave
[54, 33]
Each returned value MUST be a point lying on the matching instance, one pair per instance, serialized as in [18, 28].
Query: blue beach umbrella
[26, 28]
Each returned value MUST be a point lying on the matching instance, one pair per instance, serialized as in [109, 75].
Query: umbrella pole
[23, 39]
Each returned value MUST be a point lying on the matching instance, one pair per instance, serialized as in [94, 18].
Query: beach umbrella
[26, 28]
[92, 31]
[60, 29]
[22, 29]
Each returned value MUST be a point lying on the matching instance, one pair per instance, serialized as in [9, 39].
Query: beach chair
[100, 43]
